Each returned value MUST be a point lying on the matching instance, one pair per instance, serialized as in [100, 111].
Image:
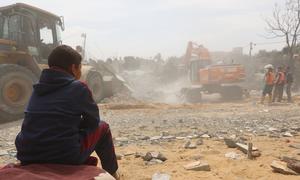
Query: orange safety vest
[281, 79]
[269, 78]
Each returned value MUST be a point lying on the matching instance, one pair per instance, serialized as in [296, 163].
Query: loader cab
[33, 30]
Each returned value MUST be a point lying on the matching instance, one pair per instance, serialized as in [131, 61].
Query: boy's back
[59, 106]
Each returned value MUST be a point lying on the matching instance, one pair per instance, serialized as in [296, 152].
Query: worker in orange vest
[269, 82]
[279, 85]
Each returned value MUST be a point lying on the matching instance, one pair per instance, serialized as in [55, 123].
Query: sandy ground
[245, 119]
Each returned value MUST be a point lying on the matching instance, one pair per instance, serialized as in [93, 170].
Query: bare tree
[285, 23]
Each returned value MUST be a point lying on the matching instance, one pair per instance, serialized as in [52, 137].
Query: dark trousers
[278, 92]
[100, 140]
[288, 91]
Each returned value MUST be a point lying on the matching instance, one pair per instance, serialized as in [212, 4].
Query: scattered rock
[199, 142]
[180, 138]
[256, 153]
[153, 162]
[154, 155]
[198, 166]
[122, 139]
[281, 167]
[294, 166]
[287, 134]
[189, 145]
[296, 146]
[155, 138]
[233, 155]
[273, 129]
[143, 138]
[3, 153]
[205, 136]
[292, 163]
[230, 143]
[244, 148]
[160, 176]
[168, 137]
[138, 155]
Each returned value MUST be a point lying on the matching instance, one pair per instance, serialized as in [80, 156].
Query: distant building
[237, 51]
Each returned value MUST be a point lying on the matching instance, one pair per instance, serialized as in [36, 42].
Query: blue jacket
[60, 112]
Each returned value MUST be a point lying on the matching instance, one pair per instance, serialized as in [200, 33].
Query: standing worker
[289, 82]
[279, 85]
[269, 82]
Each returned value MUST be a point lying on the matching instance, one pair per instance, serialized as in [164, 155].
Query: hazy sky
[146, 27]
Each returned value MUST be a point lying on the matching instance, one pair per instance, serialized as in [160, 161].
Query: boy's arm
[90, 111]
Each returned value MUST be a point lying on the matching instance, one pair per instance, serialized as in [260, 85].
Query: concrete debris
[233, 155]
[292, 163]
[198, 166]
[296, 146]
[189, 145]
[287, 134]
[294, 166]
[180, 138]
[3, 153]
[138, 155]
[244, 148]
[161, 176]
[281, 167]
[168, 137]
[153, 162]
[154, 155]
[256, 154]
[205, 136]
[230, 143]
[155, 138]
[199, 142]
[122, 139]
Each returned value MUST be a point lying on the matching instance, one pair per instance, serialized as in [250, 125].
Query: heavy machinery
[209, 78]
[27, 36]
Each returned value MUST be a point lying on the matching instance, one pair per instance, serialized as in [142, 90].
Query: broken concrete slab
[294, 166]
[230, 143]
[198, 166]
[296, 146]
[161, 176]
[281, 167]
[244, 148]
[287, 134]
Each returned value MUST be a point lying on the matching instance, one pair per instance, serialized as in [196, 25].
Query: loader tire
[15, 90]
[95, 83]
[231, 92]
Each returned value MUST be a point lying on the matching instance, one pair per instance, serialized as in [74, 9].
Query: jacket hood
[52, 80]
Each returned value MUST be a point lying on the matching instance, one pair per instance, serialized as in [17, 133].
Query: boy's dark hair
[64, 56]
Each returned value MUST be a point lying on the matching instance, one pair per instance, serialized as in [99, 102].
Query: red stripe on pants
[91, 139]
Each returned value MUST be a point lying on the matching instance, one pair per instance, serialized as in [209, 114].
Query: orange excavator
[209, 78]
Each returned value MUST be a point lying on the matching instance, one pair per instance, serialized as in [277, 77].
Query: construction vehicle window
[14, 28]
[29, 31]
[58, 32]
[4, 27]
[46, 34]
